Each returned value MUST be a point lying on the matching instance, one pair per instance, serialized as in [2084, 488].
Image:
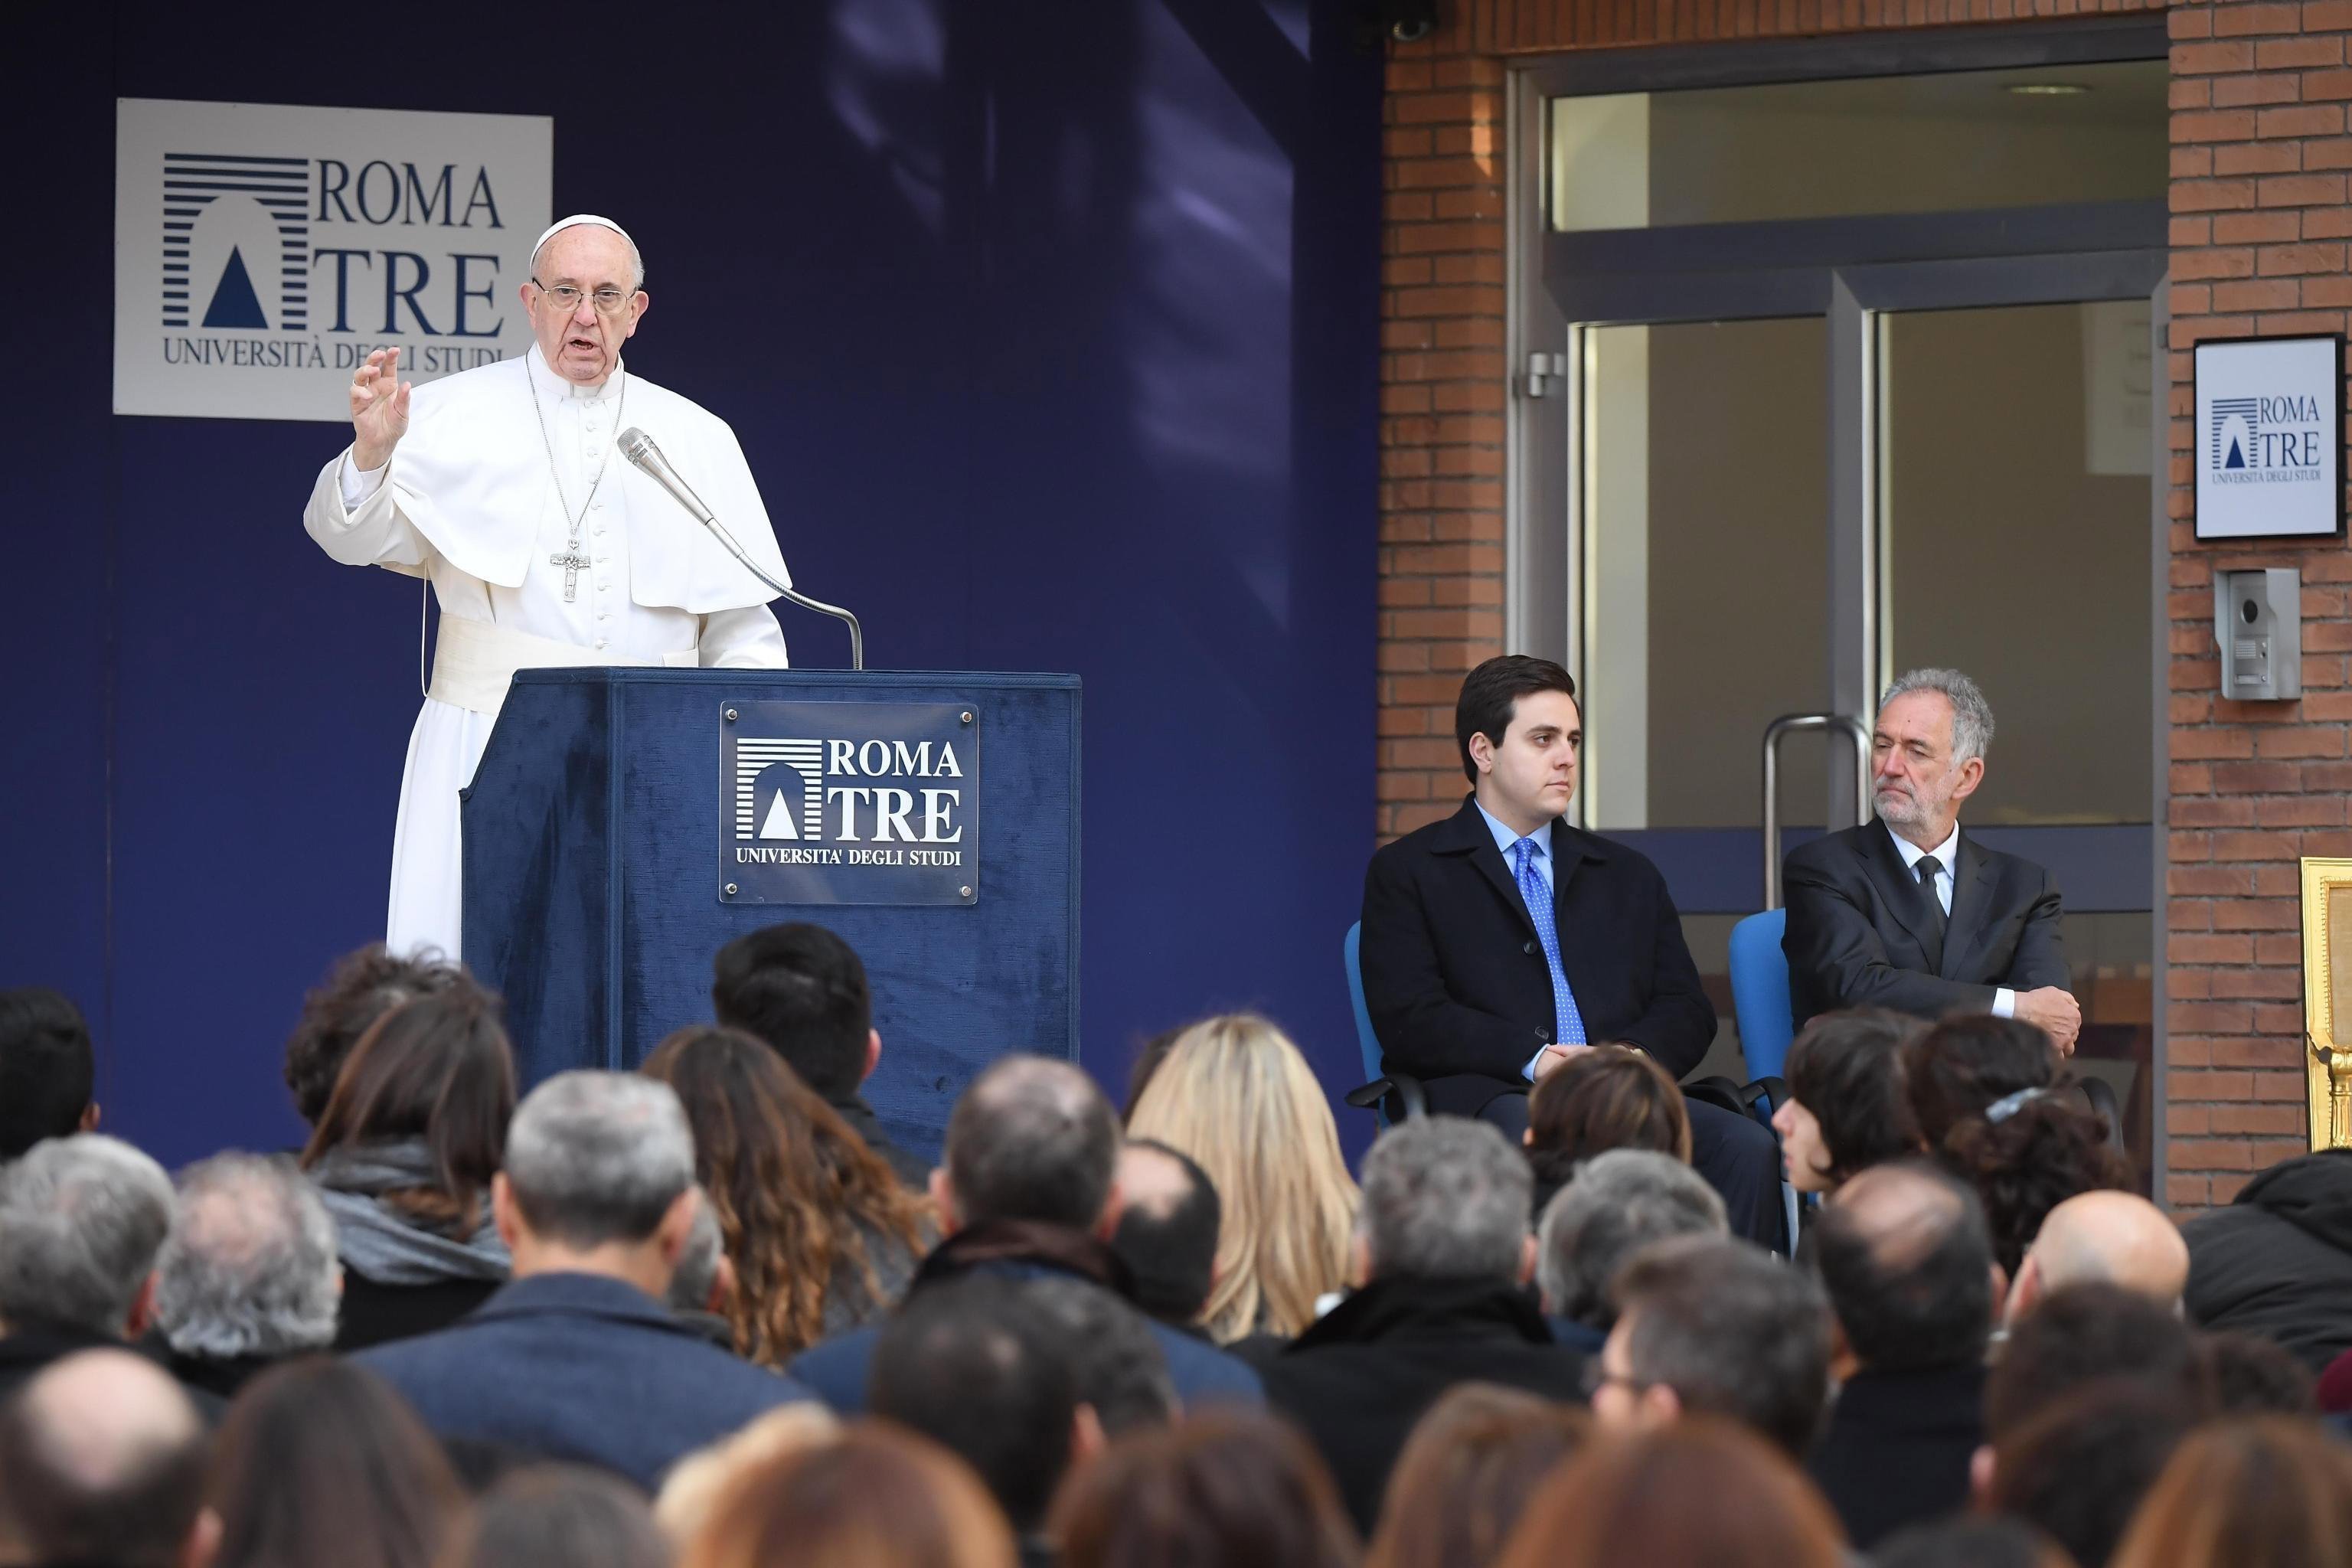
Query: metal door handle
[1774, 733]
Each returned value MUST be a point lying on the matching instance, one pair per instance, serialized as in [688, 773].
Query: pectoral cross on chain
[573, 564]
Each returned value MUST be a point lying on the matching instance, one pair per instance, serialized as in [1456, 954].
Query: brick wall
[1444, 384]
[2260, 155]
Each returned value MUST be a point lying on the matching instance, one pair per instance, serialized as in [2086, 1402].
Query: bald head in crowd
[1169, 1217]
[2103, 1238]
[1032, 1139]
[1906, 1258]
[101, 1460]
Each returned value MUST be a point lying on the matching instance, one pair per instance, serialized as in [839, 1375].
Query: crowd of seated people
[705, 1315]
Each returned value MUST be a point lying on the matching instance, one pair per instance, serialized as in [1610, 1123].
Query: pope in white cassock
[504, 488]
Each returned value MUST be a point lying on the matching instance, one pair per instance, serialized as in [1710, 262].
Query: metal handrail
[1785, 725]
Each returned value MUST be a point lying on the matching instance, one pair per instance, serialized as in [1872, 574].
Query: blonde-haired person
[1235, 1094]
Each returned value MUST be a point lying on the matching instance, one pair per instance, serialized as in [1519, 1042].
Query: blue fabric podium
[612, 846]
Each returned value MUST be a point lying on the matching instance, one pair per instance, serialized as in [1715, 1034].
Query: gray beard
[1902, 813]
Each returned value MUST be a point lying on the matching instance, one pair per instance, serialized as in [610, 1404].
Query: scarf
[378, 1242]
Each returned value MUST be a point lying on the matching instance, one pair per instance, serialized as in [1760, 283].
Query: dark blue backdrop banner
[1049, 331]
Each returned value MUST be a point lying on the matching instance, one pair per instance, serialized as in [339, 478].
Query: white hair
[1972, 714]
[249, 1268]
[81, 1219]
[593, 1157]
[1619, 1202]
[1445, 1198]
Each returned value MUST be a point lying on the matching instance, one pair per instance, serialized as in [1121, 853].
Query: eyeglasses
[609, 301]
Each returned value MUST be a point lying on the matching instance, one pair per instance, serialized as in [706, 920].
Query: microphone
[640, 449]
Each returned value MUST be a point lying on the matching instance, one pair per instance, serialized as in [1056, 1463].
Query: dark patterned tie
[1927, 868]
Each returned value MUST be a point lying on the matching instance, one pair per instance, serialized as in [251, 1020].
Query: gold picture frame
[2327, 999]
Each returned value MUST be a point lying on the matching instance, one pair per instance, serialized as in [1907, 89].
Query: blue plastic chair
[1759, 998]
[1380, 1086]
[1759, 992]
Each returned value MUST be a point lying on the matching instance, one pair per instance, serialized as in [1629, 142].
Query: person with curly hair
[1954, 1070]
[1993, 1107]
[821, 1235]
[363, 987]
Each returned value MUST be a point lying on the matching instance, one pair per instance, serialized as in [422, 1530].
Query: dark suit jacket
[1897, 1450]
[1458, 990]
[580, 1367]
[1362, 1374]
[1855, 914]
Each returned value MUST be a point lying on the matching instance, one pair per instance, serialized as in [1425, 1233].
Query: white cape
[472, 475]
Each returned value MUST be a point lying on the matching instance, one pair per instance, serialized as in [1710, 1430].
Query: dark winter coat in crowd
[1362, 1374]
[1897, 1448]
[2277, 1263]
[836, 1369]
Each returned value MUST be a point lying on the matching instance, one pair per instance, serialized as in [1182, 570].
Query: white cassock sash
[473, 476]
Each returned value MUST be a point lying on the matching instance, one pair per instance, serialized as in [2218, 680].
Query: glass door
[2014, 465]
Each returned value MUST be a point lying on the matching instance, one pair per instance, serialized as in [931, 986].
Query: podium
[627, 823]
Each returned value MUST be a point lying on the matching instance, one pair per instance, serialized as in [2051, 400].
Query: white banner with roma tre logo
[261, 251]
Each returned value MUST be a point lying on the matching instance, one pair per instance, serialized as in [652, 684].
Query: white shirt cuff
[2004, 1002]
[358, 484]
[1528, 1072]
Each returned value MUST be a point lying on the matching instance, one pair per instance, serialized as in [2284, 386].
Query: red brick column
[2260, 155]
[1443, 384]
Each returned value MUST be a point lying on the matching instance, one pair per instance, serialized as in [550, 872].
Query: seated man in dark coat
[1501, 941]
[579, 1358]
[1910, 913]
[1027, 1186]
[1444, 1256]
[1907, 1262]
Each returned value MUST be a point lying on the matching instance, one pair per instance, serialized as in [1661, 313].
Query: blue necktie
[1570, 1023]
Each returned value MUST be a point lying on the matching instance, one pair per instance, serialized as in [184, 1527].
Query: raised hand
[379, 409]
